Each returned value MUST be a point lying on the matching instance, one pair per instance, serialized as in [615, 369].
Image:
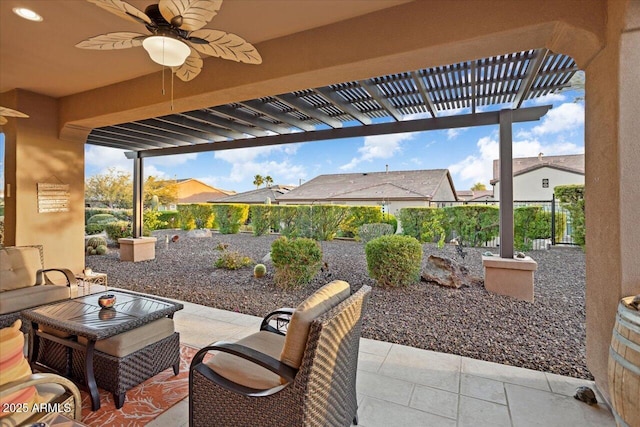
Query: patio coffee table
[54, 343]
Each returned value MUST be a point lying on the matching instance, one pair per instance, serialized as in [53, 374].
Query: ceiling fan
[8, 112]
[177, 38]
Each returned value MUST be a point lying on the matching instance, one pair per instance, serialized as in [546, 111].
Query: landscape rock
[199, 233]
[446, 272]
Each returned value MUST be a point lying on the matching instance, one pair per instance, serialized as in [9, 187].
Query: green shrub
[296, 261]
[151, 220]
[321, 222]
[423, 223]
[260, 216]
[394, 260]
[101, 219]
[473, 225]
[283, 220]
[195, 215]
[360, 215]
[169, 219]
[94, 228]
[367, 232]
[119, 229]
[391, 220]
[120, 214]
[572, 199]
[532, 222]
[101, 249]
[94, 242]
[229, 217]
[232, 260]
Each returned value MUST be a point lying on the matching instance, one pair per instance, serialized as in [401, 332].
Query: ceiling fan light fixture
[166, 51]
[28, 14]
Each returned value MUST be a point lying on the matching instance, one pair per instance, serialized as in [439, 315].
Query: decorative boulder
[199, 233]
[446, 272]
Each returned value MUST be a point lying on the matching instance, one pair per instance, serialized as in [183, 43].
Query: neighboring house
[193, 191]
[475, 195]
[534, 178]
[389, 190]
[258, 196]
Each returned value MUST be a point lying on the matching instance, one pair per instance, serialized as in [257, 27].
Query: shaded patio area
[400, 385]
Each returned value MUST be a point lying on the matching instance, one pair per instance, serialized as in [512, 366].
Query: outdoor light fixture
[166, 50]
[28, 14]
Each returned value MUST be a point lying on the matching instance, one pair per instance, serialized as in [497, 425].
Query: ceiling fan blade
[8, 112]
[109, 41]
[189, 15]
[225, 46]
[123, 10]
[191, 67]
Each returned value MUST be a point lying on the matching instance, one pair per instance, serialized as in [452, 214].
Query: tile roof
[570, 163]
[398, 185]
[258, 195]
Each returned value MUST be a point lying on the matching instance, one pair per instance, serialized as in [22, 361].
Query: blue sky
[468, 153]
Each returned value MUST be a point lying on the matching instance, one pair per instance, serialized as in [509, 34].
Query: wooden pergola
[486, 91]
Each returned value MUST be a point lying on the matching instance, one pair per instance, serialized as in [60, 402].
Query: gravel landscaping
[547, 335]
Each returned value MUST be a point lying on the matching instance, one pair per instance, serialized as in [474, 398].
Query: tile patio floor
[405, 386]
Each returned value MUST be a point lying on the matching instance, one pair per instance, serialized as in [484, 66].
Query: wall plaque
[53, 198]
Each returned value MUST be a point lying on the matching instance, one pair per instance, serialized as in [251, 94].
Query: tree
[478, 186]
[166, 191]
[258, 180]
[268, 180]
[113, 188]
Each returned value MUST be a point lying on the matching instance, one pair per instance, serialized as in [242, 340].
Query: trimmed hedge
[260, 217]
[358, 216]
[369, 232]
[296, 261]
[473, 225]
[532, 222]
[195, 215]
[230, 217]
[424, 224]
[572, 199]
[394, 260]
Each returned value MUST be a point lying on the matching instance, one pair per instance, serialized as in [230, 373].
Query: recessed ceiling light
[25, 13]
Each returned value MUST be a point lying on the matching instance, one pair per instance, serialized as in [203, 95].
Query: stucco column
[34, 154]
[612, 186]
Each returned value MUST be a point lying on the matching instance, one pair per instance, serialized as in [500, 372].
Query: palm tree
[268, 180]
[258, 180]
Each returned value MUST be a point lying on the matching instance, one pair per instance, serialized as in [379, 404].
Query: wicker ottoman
[125, 367]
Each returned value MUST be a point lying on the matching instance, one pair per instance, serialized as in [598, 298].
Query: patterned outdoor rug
[144, 402]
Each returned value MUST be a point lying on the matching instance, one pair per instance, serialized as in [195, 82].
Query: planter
[138, 249]
[510, 276]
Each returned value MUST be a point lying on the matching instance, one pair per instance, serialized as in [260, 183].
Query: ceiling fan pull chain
[163, 68]
[172, 73]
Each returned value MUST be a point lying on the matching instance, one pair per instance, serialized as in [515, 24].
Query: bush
[473, 225]
[572, 199]
[119, 229]
[424, 224]
[391, 220]
[369, 232]
[101, 219]
[283, 219]
[94, 228]
[260, 219]
[394, 260]
[321, 222]
[195, 215]
[169, 219]
[296, 261]
[358, 216]
[232, 260]
[532, 222]
[229, 217]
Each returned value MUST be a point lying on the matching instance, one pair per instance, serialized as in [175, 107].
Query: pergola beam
[375, 93]
[299, 104]
[343, 105]
[450, 122]
[533, 70]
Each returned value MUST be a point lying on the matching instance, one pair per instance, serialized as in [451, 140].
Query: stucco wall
[35, 154]
[528, 186]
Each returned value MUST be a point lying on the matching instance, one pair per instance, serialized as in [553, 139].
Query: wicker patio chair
[56, 394]
[259, 381]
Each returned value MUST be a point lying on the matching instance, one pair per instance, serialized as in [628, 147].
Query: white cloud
[174, 160]
[453, 133]
[106, 157]
[245, 164]
[478, 167]
[567, 117]
[378, 147]
[550, 98]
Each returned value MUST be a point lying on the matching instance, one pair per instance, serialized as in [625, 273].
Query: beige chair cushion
[131, 341]
[318, 303]
[18, 267]
[32, 296]
[247, 373]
